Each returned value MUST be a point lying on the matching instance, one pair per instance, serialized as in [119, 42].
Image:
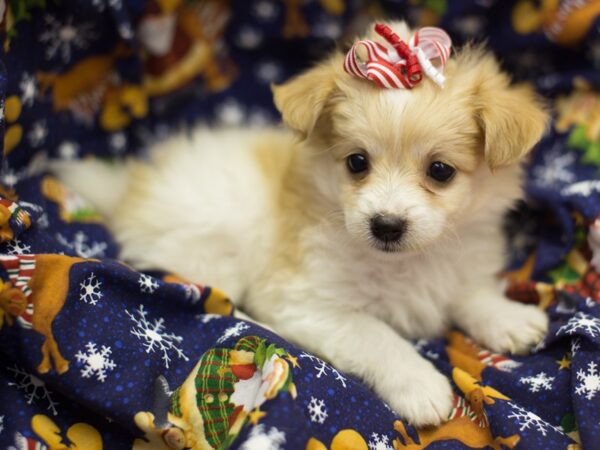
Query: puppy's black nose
[387, 228]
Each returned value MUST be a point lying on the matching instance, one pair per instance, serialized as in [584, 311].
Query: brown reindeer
[34, 295]
[461, 429]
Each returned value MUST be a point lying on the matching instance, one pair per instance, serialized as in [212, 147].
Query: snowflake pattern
[117, 142]
[583, 188]
[68, 150]
[233, 331]
[154, 336]
[575, 346]
[90, 290]
[265, 10]
[538, 382]
[28, 89]
[230, 112]
[555, 170]
[261, 439]
[420, 347]
[1, 424]
[588, 381]
[379, 442]
[323, 369]
[147, 284]
[101, 5]
[581, 322]
[17, 247]
[249, 37]
[64, 37]
[35, 390]
[268, 72]
[205, 318]
[38, 133]
[82, 247]
[317, 410]
[526, 420]
[96, 362]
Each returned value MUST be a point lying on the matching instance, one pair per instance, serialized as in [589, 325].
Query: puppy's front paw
[422, 396]
[510, 327]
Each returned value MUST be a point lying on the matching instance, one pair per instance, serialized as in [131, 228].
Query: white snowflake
[588, 381]
[583, 188]
[125, 30]
[17, 247]
[233, 331]
[329, 29]
[147, 284]
[260, 439]
[117, 142]
[230, 112]
[469, 26]
[28, 89]
[323, 369]
[420, 347]
[101, 4]
[317, 410]
[581, 321]
[64, 37]
[526, 420]
[68, 150]
[154, 336]
[249, 37]
[538, 382]
[379, 442]
[575, 346]
[1, 424]
[37, 134]
[205, 318]
[90, 290]
[555, 170]
[80, 245]
[265, 10]
[96, 362]
[35, 390]
[268, 72]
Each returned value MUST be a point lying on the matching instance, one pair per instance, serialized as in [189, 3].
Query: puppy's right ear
[301, 100]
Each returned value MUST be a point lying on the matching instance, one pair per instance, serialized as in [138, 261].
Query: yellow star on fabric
[564, 363]
[256, 415]
[293, 360]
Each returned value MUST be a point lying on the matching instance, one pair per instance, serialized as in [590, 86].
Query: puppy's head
[407, 167]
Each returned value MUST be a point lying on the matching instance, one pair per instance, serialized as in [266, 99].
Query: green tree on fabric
[579, 139]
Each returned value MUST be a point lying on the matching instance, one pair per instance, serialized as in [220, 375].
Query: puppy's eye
[441, 172]
[357, 163]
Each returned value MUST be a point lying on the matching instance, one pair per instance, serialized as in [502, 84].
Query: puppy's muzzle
[388, 228]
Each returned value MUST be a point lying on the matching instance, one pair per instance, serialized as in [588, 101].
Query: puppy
[374, 221]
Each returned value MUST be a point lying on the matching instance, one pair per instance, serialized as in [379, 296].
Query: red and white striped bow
[401, 66]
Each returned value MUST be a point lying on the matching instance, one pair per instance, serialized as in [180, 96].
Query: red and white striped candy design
[386, 68]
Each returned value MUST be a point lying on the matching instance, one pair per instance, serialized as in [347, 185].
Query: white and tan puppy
[374, 221]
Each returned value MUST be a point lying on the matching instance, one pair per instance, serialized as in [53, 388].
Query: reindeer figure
[462, 429]
[467, 423]
[34, 295]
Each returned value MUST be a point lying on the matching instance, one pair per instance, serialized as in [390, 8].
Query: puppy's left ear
[512, 118]
[301, 100]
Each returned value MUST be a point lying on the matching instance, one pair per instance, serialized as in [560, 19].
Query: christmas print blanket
[96, 355]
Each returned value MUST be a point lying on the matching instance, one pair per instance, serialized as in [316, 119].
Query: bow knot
[404, 64]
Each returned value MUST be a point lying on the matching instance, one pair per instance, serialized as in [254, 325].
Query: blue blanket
[94, 354]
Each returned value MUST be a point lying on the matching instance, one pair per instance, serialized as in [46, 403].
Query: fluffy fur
[281, 224]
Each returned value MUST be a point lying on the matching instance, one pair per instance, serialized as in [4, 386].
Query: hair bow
[403, 65]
